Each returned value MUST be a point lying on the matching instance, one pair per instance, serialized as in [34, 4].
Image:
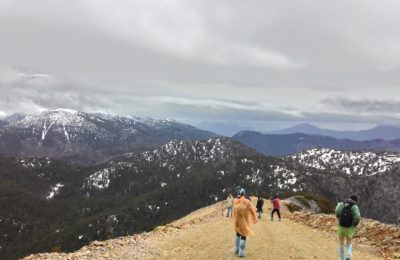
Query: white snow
[66, 134]
[100, 179]
[67, 110]
[351, 163]
[245, 160]
[211, 150]
[54, 190]
[285, 176]
[46, 130]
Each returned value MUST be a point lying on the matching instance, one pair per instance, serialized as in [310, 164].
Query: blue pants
[229, 211]
[240, 249]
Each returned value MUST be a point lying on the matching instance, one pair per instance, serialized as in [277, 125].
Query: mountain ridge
[286, 144]
[385, 132]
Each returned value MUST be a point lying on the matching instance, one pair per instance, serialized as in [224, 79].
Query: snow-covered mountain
[180, 158]
[89, 138]
[203, 151]
[352, 163]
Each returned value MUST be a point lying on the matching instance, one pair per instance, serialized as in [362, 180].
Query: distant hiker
[229, 205]
[259, 206]
[243, 210]
[276, 207]
[349, 217]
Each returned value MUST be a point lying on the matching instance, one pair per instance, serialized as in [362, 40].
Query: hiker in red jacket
[276, 206]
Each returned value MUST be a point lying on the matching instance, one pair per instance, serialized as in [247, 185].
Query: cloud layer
[248, 64]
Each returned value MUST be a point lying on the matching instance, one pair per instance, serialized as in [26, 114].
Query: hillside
[50, 204]
[206, 234]
[351, 163]
[64, 206]
[375, 176]
[286, 144]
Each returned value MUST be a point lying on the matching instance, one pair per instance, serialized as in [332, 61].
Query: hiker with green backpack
[348, 215]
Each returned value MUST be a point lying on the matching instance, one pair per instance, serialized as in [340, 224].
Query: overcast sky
[228, 64]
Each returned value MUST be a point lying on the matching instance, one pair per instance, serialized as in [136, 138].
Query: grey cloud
[236, 112]
[197, 59]
[388, 106]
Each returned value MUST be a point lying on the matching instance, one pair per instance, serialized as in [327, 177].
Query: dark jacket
[260, 204]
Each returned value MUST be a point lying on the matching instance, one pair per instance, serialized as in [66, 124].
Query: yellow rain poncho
[243, 212]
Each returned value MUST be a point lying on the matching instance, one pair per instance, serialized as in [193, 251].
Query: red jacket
[276, 203]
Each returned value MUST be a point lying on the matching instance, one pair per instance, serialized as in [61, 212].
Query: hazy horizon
[229, 128]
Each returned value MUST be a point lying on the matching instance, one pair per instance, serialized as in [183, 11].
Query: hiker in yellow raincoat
[243, 210]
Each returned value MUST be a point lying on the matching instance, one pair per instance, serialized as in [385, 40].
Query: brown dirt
[213, 238]
[206, 234]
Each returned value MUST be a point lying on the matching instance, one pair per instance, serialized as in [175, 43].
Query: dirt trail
[213, 238]
[206, 234]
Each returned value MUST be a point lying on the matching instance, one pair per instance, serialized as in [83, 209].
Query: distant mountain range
[285, 144]
[93, 138]
[12, 119]
[386, 132]
[15, 118]
[88, 138]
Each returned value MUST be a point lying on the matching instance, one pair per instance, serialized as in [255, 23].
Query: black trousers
[277, 211]
[241, 237]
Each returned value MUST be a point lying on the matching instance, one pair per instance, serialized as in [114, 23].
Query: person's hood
[350, 201]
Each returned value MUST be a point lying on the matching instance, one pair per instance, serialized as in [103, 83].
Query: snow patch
[54, 190]
[100, 179]
[350, 163]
